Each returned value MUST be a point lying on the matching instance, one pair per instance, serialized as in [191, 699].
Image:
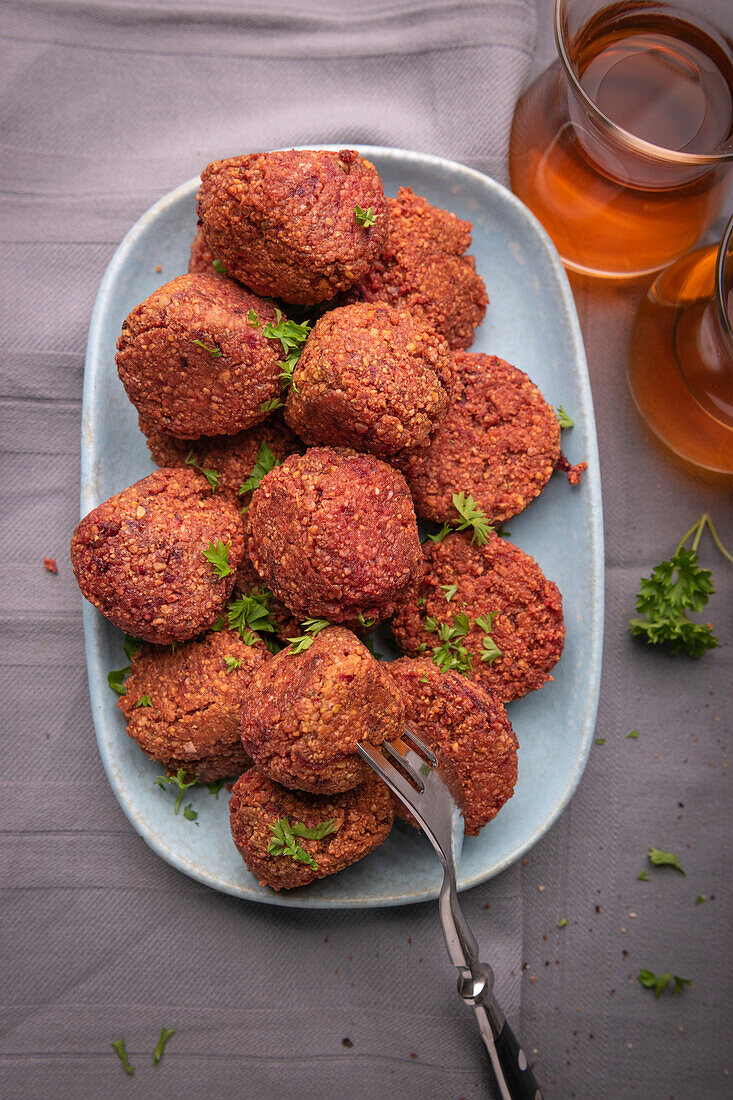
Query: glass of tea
[681, 361]
[623, 147]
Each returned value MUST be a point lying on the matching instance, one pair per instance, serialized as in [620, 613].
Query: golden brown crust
[499, 443]
[304, 713]
[139, 556]
[362, 816]
[192, 364]
[370, 377]
[284, 223]
[495, 578]
[192, 721]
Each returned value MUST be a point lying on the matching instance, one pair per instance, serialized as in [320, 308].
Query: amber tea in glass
[681, 362]
[622, 148]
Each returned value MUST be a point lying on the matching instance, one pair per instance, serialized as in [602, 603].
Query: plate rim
[93, 620]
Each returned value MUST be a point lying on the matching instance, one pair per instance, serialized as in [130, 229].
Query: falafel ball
[423, 268]
[360, 818]
[191, 361]
[232, 457]
[139, 556]
[499, 583]
[304, 712]
[372, 378]
[499, 442]
[469, 732]
[182, 708]
[202, 260]
[333, 534]
[285, 223]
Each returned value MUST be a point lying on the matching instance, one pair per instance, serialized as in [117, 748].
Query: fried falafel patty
[304, 712]
[285, 224]
[506, 587]
[193, 364]
[333, 534]
[372, 378]
[361, 819]
[202, 259]
[182, 708]
[232, 457]
[423, 269]
[499, 442]
[469, 732]
[139, 556]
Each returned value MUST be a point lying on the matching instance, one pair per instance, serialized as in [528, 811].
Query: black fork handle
[514, 1078]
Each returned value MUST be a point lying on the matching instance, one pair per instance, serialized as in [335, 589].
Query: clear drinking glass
[681, 362]
[623, 147]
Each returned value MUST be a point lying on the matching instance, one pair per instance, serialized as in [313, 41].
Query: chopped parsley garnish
[664, 859]
[471, 517]
[650, 981]
[218, 624]
[284, 842]
[489, 650]
[632, 736]
[700, 899]
[115, 677]
[119, 1048]
[189, 813]
[179, 780]
[600, 740]
[563, 419]
[131, 646]
[366, 623]
[215, 786]
[266, 461]
[214, 352]
[366, 217]
[219, 557]
[219, 267]
[643, 876]
[250, 615]
[232, 663]
[211, 476]
[144, 701]
[451, 653]
[292, 336]
[449, 591]
[165, 1035]
[271, 405]
[312, 627]
[562, 923]
[674, 588]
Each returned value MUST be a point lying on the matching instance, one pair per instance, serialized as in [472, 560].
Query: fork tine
[417, 768]
[394, 779]
[410, 735]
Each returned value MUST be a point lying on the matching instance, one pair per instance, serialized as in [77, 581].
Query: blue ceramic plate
[532, 323]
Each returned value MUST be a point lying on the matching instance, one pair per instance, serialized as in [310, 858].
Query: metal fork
[437, 812]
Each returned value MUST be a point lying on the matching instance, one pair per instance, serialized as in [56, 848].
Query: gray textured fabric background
[105, 107]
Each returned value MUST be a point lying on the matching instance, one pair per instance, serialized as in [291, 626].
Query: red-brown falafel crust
[469, 732]
[139, 556]
[496, 578]
[499, 442]
[201, 261]
[333, 534]
[362, 816]
[192, 364]
[233, 457]
[182, 708]
[303, 713]
[372, 378]
[284, 223]
[423, 269]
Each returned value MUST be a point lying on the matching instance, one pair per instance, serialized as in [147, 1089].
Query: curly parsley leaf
[131, 646]
[250, 615]
[284, 842]
[292, 336]
[218, 624]
[178, 780]
[650, 981]
[366, 217]
[446, 529]
[232, 663]
[218, 555]
[189, 813]
[115, 679]
[266, 461]
[165, 1035]
[665, 859]
[563, 419]
[312, 628]
[450, 653]
[489, 649]
[219, 267]
[214, 352]
[316, 832]
[366, 623]
[118, 1046]
[643, 876]
[215, 786]
[144, 701]
[271, 405]
[449, 591]
[211, 476]
[632, 736]
[471, 518]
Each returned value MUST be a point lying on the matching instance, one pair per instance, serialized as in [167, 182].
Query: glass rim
[625, 137]
[721, 291]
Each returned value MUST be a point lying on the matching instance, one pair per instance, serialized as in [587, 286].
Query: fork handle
[514, 1077]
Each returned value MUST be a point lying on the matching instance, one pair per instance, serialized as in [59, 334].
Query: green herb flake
[131, 646]
[643, 876]
[218, 624]
[421, 601]
[219, 268]
[218, 555]
[446, 529]
[189, 813]
[265, 462]
[284, 842]
[563, 419]
[632, 736]
[253, 319]
[562, 923]
[165, 1035]
[119, 1048]
[232, 663]
[214, 352]
[472, 517]
[650, 981]
[212, 477]
[215, 786]
[367, 217]
[449, 591]
[366, 623]
[292, 337]
[664, 859]
[178, 780]
[115, 679]
[600, 740]
[250, 615]
[144, 701]
[450, 653]
[700, 899]
[312, 628]
[271, 405]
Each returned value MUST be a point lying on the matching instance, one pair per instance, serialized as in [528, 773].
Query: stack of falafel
[294, 461]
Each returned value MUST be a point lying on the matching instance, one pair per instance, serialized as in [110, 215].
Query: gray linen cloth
[105, 107]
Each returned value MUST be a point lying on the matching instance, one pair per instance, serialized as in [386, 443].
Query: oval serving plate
[532, 323]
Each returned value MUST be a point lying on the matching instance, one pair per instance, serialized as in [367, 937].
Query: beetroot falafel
[360, 819]
[372, 378]
[333, 534]
[193, 364]
[140, 556]
[182, 708]
[499, 442]
[501, 585]
[285, 223]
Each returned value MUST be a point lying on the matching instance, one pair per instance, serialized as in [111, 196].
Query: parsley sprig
[219, 267]
[214, 352]
[450, 653]
[165, 1035]
[115, 678]
[563, 419]
[472, 517]
[144, 701]
[250, 615]
[366, 217]
[265, 462]
[665, 859]
[674, 588]
[211, 476]
[650, 981]
[292, 336]
[218, 555]
[284, 842]
[118, 1046]
[312, 628]
[178, 780]
[489, 649]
